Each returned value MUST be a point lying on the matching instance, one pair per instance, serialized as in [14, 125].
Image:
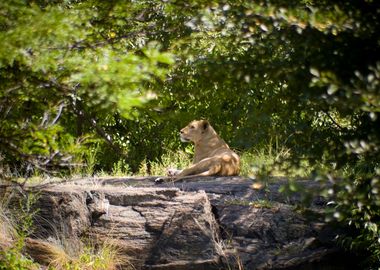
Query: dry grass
[56, 254]
[8, 232]
[46, 253]
[11, 243]
[106, 256]
[230, 257]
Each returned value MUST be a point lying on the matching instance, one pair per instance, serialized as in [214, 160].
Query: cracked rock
[200, 223]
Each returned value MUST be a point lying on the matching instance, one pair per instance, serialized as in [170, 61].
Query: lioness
[212, 156]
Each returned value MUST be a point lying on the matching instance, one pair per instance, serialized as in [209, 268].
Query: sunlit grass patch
[254, 203]
[171, 159]
[121, 168]
[264, 162]
[255, 162]
[92, 256]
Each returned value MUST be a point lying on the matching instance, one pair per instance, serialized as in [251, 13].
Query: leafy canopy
[303, 75]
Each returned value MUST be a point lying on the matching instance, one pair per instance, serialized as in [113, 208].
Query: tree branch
[332, 120]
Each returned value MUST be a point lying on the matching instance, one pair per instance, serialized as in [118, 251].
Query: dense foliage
[65, 75]
[301, 74]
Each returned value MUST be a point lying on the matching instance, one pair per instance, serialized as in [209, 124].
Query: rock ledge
[200, 223]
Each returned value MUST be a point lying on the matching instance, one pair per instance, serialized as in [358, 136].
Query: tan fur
[212, 156]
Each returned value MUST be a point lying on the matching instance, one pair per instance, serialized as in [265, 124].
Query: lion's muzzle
[183, 139]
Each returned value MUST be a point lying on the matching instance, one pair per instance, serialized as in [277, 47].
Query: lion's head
[194, 131]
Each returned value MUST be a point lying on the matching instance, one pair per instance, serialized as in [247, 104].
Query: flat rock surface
[197, 223]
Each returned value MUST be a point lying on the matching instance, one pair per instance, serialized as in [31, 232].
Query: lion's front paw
[159, 180]
[173, 172]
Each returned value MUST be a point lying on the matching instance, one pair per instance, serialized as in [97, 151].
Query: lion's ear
[205, 124]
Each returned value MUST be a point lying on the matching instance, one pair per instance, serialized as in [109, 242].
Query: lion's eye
[192, 127]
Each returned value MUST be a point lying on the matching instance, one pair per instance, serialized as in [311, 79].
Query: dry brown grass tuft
[106, 256]
[46, 253]
[8, 232]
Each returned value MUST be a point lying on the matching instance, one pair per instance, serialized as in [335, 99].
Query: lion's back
[220, 155]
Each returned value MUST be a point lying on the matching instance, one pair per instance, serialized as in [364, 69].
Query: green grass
[255, 204]
[255, 164]
[177, 160]
[267, 162]
[121, 168]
